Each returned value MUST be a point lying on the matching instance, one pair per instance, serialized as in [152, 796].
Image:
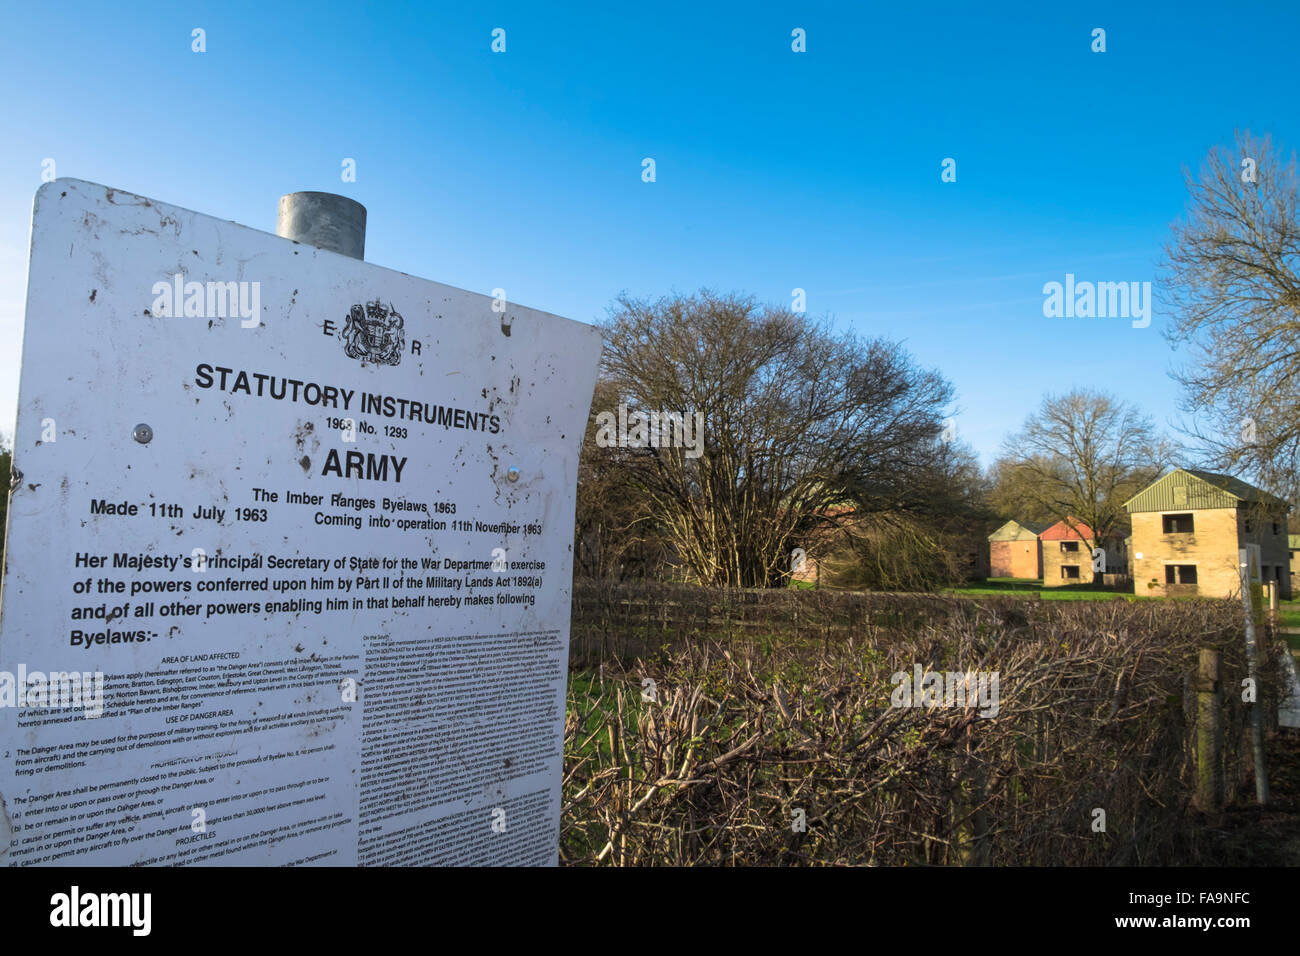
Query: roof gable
[1194, 490]
[1016, 531]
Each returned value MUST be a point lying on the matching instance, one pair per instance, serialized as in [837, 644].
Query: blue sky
[775, 170]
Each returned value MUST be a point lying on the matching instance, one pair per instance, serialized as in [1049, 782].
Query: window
[1178, 524]
[1070, 571]
[1069, 546]
[1250, 526]
[1180, 574]
[1277, 528]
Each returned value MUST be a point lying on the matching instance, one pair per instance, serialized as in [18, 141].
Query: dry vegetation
[771, 702]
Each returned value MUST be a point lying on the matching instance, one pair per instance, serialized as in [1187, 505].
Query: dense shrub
[767, 708]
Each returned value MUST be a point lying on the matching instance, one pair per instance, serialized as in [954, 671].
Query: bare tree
[798, 423]
[615, 536]
[1231, 283]
[932, 538]
[1082, 455]
[1013, 492]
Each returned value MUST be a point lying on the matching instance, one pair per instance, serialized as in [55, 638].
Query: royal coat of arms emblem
[374, 333]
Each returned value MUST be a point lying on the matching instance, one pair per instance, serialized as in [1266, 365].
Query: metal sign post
[1250, 570]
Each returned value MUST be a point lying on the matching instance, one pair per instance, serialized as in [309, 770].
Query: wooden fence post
[974, 834]
[1209, 732]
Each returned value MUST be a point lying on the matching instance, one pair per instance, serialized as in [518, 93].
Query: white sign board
[289, 562]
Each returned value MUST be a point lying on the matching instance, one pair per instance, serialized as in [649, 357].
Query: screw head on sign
[143, 434]
[512, 473]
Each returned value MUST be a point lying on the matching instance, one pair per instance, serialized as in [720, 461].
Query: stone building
[1067, 554]
[1294, 547]
[1189, 526]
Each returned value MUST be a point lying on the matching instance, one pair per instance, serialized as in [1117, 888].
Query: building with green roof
[1188, 527]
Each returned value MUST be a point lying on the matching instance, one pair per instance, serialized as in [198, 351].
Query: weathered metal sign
[289, 556]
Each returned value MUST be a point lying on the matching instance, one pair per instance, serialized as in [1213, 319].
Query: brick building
[1188, 527]
[1015, 551]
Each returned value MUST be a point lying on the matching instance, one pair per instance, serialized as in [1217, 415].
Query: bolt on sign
[289, 562]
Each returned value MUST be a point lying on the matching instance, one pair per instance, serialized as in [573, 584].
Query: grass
[1033, 588]
[1288, 613]
[585, 686]
[1021, 587]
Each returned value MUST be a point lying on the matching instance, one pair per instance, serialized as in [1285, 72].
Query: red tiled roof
[1063, 532]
